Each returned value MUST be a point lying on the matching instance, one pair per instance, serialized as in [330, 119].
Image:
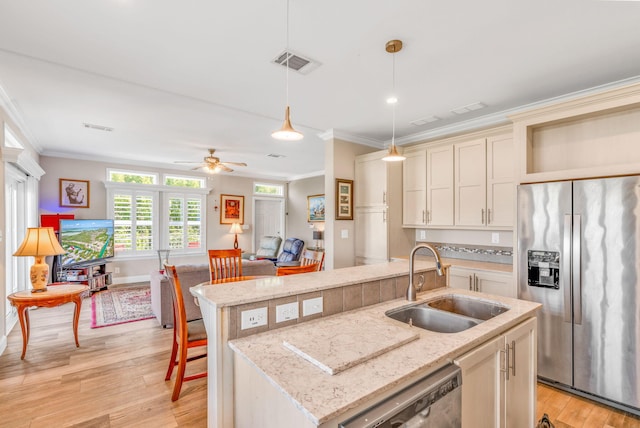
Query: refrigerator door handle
[566, 267]
[576, 268]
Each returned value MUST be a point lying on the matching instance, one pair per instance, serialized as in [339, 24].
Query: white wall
[297, 215]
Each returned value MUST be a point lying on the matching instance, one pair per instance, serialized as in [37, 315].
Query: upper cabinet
[414, 186]
[371, 183]
[469, 182]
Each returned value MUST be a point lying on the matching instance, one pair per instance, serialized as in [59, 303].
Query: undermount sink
[422, 316]
[447, 314]
[468, 306]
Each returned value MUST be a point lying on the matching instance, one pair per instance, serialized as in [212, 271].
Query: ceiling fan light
[287, 133]
[393, 155]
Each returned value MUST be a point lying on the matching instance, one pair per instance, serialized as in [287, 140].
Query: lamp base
[235, 243]
[39, 275]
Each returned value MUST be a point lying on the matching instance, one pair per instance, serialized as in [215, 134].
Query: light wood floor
[116, 379]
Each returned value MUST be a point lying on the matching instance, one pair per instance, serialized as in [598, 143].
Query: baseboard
[3, 344]
[131, 279]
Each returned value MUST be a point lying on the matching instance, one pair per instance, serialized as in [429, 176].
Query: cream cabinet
[484, 186]
[440, 186]
[499, 380]
[414, 189]
[491, 282]
[378, 211]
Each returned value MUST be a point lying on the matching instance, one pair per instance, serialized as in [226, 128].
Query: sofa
[191, 275]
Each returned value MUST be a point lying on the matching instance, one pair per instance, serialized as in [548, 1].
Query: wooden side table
[55, 295]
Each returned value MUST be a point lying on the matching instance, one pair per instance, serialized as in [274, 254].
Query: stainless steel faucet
[411, 291]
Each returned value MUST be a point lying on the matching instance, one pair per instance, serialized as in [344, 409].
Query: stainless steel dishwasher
[434, 402]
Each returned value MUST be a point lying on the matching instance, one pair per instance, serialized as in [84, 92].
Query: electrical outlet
[423, 234]
[495, 238]
[344, 233]
[116, 270]
[286, 312]
[312, 306]
[253, 318]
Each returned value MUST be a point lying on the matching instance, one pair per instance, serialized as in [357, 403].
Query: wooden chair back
[225, 264]
[310, 257]
[186, 335]
[293, 270]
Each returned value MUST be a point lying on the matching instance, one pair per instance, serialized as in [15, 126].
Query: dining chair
[293, 270]
[311, 256]
[225, 263]
[186, 335]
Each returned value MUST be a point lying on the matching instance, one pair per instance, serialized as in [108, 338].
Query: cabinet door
[498, 283]
[461, 278]
[440, 186]
[371, 181]
[414, 185]
[470, 183]
[371, 236]
[500, 181]
[482, 386]
[521, 387]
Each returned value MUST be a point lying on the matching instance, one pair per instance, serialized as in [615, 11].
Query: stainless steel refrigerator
[578, 255]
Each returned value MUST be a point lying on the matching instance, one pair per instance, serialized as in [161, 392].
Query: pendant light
[287, 132]
[392, 47]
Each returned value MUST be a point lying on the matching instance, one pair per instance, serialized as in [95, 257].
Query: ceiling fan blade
[234, 163]
[224, 168]
[186, 162]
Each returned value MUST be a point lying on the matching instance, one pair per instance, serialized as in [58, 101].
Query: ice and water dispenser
[543, 269]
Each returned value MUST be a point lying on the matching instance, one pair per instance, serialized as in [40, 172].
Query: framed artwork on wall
[232, 209]
[344, 199]
[74, 193]
[315, 208]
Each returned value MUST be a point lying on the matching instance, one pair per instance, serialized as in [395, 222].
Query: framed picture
[232, 209]
[344, 199]
[74, 193]
[315, 208]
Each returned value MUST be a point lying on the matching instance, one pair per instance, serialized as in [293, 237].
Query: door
[371, 236]
[461, 278]
[495, 283]
[371, 181]
[541, 226]
[470, 183]
[440, 186]
[414, 183]
[268, 219]
[500, 188]
[520, 388]
[607, 321]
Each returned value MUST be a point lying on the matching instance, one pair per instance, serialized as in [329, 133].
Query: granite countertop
[272, 287]
[468, 264]
[322, 396]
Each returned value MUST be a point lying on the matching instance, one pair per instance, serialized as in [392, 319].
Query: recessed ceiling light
[392, 100]
[98, 127]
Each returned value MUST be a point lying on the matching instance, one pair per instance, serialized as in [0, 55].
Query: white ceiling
[174, 78]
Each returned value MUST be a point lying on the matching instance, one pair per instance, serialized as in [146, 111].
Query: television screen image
[86, 241]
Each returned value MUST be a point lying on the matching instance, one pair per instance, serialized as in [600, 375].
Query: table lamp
[317, 235]
[39, 242]
[235, 228]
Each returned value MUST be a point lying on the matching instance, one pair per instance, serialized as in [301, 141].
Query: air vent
[468, 108]
[273, 155]
[424, 120]
[98, 127]
[296, 62]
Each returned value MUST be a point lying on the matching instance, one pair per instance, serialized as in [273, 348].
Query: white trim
[3, 342]
[333, 134]
[156, 188]
[130, 279]
[16, 116]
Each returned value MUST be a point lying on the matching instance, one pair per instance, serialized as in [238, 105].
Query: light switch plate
[253, 318]
[344, 233]
[286, 312]
[495, 238]
[312, 306]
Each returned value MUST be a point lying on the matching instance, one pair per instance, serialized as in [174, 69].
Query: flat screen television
[85, 241]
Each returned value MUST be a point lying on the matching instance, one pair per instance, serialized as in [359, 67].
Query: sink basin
[468, 306]
[430, 319]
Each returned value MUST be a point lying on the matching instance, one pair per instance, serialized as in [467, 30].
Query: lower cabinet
[499, 380]
[500, 283]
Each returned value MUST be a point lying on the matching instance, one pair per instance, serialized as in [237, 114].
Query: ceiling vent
[424, 120]
[296, 62]
[98, 127]
[468, 108]
[273, 155]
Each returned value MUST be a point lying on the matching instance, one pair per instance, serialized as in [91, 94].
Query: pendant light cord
[393, 94]
[288, 55]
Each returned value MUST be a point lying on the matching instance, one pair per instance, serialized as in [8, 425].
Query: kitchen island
[367, 290]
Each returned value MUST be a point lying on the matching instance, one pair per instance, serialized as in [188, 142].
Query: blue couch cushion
[291, 250]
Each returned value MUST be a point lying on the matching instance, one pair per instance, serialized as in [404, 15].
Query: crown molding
[335, 134]
[12, 110]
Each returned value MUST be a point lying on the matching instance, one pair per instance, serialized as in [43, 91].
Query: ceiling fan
[213, 165]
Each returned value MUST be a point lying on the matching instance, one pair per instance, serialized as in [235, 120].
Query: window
[134, 221]
[150, 216]
[268, 189]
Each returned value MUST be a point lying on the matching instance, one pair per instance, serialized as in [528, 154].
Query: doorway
[268, 219]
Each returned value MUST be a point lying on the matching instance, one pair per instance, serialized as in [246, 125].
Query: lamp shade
[39, 241]
[235, 228]
[317, 234]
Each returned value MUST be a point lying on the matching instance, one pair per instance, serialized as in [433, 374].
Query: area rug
[121, 304]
